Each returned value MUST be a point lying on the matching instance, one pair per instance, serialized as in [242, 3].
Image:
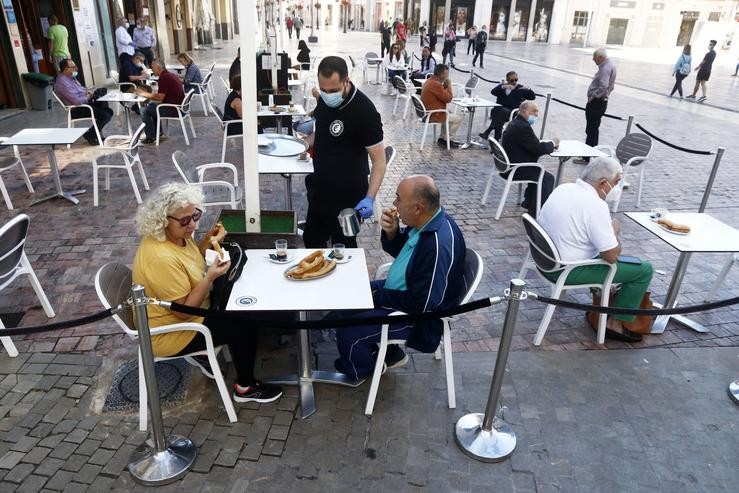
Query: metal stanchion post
[629, 124]
[711, 178]
[734, 391]
[544, 118]
[164, 460]
[482, 437]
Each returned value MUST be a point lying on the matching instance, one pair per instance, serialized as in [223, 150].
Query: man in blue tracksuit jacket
[427, 274]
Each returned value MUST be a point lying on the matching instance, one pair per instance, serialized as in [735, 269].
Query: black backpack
[222, 286]
[482, 38]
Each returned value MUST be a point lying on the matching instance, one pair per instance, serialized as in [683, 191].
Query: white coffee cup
[658, 213]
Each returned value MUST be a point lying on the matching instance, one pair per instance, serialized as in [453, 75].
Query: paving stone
[51, 441]
[10, 459]
[283, 418]
[273, 447]
[278, 432]
[88, 447]
[75, 462]
[76, 436]
[25, 444]
[119, 461]
[101, 456]
[76, 391]
[19, 473]
[63, 450]
[207, 454]
[36, 455]
[32, 484]
[88, 473]
[60, 480]
[113, 442]
[251, 452]
[49, 466]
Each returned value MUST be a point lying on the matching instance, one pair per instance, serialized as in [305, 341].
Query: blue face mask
[332, 99]
[75, 73]
[532, 119]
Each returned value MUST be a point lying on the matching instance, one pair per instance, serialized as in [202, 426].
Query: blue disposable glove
[364, 207]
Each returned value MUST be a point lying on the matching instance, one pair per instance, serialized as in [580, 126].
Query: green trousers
[634, 280]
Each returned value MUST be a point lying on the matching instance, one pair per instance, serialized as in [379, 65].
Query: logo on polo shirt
[336, 128]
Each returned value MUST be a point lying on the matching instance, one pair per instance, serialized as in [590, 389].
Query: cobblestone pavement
[67, 244]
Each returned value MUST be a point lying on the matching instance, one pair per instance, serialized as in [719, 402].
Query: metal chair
[6, 163]
[72, 120]
[204, 91]
[404, 90]
[547, 260]
[633, 150]
[225, 125]
[113, 286]
[216, 192]
[226, 86]
[126, 150]
[424, 117]
[722, 276]
[183, 113]
[373, 63]
[473, 268]
[503, 165]
[14, 263]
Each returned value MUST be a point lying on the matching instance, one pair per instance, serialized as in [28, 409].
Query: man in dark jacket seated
[523, 146]
[509, 96]
[427, 274]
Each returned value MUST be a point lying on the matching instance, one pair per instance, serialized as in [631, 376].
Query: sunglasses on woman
[184, 221]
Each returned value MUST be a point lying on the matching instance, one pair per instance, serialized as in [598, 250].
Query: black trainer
[395, 357]
[259, 392]
[203, 363]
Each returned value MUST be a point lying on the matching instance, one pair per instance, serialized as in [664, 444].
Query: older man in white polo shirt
[578, 220]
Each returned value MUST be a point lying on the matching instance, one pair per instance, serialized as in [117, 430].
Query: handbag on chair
[642, 324]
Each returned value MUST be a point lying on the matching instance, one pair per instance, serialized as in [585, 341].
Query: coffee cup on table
[658, 213]
[339, 251]
[281, 249]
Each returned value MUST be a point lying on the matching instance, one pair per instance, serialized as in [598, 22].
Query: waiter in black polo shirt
[348, 129]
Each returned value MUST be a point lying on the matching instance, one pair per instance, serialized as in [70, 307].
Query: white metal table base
[660, 323]
[308, 376]
[60, 193]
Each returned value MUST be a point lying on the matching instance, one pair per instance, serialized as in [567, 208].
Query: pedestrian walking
[289, 23]
[681, 70]
[58, 37]
[450, 42]
[432, 41]
[384, 38]
[481, 42]
[298, 25]
[471, 37]
[704, 72]
[145, 40]
[423, 38]
[598, 92]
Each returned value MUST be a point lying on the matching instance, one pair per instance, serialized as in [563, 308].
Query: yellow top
[169, 272]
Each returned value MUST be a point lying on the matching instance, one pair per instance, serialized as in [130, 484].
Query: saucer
[288, 259]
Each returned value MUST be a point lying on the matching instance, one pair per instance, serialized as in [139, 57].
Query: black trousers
[148, 54]
[102, 114]
[480, 53]
[678, 84]
[594, 112]
[532, 173]
[470, 46]
[242, 343]
[500, 115]
[323, 231]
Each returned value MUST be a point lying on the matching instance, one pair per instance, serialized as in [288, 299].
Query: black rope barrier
[487, 80]
[674, 146]
[460, 70]
[607, 115]
[329, 323]
[611, 310]
[66, 324]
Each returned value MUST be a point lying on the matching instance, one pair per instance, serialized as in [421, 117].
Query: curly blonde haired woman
[171, 267]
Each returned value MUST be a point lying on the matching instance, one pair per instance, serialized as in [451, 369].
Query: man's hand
[616, 224]
[364, 207]
[556, 141]
[389, 222]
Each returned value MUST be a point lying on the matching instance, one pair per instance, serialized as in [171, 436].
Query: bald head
[417, 199]
[528, 108]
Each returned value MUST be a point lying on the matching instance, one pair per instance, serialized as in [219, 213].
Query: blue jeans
[392, 73]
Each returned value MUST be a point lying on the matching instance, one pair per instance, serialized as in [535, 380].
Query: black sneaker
[258, 392]
[395, 357]
[484, 136]
[690, 97]
[148, 141]
[203, 363]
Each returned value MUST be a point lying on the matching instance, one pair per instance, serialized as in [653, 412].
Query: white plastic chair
[473, 268]
[9, 162]
[632, 151]
[216, 192]
[547, 259]
[722, 276]
[113, 285]
[14, 263]
[404, 90]
[119, 152]
[225, 125]
[211, 90]
[503, 165]
[226, 86]
[71, 121]
[204, 91]
[424, 117]
[370, 64]
[183, 113]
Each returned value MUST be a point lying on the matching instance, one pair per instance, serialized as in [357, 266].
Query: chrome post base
[734, 391]
[486, 446]
[152, 468]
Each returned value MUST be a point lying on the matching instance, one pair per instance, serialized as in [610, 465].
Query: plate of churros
[673, 227]
[314, 266]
